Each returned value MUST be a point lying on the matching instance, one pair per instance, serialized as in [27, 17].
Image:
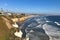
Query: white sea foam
[48, 21]
[57, 23]
[52, 32]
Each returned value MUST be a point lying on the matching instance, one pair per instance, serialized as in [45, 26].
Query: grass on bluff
[4, 31]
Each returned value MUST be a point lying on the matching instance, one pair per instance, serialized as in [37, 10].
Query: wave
[42, 28]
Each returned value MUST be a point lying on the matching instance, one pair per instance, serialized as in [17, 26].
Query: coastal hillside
[4, 31]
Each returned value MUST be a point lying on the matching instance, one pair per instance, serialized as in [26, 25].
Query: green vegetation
[4, 31]
[11, 34]
[0, 13]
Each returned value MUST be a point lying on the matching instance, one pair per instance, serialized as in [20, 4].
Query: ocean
[42, 28]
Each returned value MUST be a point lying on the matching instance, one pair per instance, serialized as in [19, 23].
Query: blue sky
[32, 6]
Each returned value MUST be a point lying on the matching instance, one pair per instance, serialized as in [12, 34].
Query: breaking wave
[42, 28]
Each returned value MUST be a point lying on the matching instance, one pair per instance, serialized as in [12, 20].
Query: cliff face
[22, 19]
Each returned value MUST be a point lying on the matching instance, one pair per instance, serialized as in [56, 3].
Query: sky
[31, 6]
